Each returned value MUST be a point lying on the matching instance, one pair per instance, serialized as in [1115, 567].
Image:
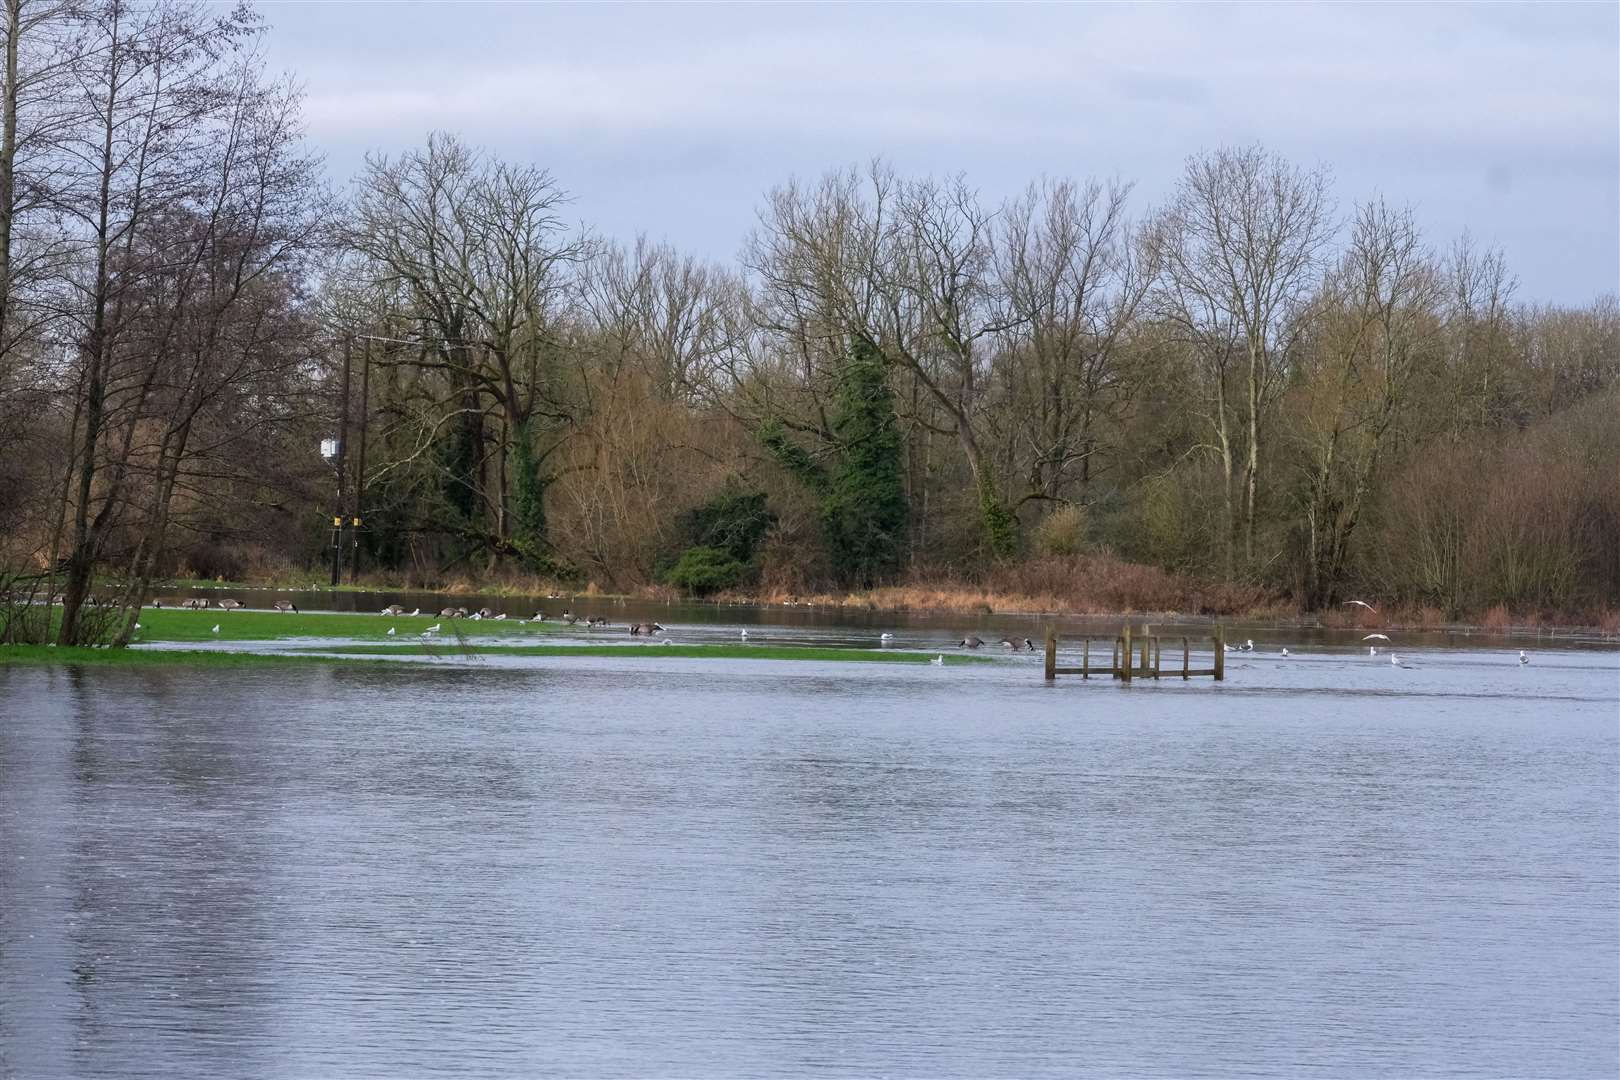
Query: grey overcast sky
[674, 120]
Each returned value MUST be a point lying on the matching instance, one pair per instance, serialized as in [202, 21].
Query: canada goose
[596, 620]
[231, 605]
[485, 613]
[447, 613]
[156, 602]
[570, 618]
[196, 603]
[645, 628]
[970, 642]
[938, 661]
[286, 605]
[461, 613]
[1523, 659]
[391, 630]
[1009, 643]
[1029, 645]
[391, 609]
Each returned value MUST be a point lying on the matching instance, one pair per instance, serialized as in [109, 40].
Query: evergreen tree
[862, 490]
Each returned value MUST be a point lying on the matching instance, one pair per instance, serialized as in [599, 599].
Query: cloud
[1407, 96]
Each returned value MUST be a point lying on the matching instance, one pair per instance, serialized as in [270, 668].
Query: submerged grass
[169, 624]
[207, 658]
[693, 652]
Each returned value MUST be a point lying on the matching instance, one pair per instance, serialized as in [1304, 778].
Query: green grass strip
[690, 652]
[172, 624]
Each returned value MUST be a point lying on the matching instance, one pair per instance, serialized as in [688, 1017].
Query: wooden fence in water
[1141, 657]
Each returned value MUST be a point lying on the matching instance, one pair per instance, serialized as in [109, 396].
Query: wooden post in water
[1158, 656]
[1051, 652]
[1085, 659]
[1186, 657]
[1125, 668]
[1220, 653]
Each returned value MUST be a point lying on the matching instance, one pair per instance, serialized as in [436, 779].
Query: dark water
[646, 867]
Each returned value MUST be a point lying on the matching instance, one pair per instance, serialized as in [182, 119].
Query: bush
[704, 570]
[1062, 532]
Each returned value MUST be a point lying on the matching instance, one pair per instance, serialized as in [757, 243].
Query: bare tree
[1246, 234]
[1073, 273]
[1377, 331]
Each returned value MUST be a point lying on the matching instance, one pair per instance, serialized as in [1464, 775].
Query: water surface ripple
[639, 867]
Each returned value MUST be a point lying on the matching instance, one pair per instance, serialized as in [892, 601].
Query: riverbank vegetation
[1259, 395]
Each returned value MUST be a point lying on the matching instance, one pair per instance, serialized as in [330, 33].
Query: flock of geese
[640, 629]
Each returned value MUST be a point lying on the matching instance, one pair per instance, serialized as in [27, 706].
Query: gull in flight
[1379, 637]
[1361, 603]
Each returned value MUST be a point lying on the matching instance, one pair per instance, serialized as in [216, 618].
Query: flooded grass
[166, 624]
[210, 658]
[694, 652]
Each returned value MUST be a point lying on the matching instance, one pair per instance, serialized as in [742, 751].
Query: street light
[331, 453]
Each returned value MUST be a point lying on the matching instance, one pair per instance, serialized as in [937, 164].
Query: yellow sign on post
[355, 522]
[337, 523]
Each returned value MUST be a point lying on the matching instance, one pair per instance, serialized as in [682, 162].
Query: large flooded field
[1328, 865]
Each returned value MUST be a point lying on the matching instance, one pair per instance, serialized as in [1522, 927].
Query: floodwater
[1327, 866]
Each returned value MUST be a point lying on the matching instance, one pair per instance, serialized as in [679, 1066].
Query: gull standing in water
[1523, 659]
[938, 661]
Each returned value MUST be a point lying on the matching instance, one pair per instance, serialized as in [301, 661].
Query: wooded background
[1263, 382]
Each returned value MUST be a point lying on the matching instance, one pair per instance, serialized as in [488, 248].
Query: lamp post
[331, 452]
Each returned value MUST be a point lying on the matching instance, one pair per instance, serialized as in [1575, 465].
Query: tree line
[896, 380]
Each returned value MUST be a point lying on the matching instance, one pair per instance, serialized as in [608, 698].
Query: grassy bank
[690, 652]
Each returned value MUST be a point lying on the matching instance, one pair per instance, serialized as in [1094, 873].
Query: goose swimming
[970, 642]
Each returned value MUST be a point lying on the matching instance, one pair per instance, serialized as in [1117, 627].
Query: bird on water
[1523, 659]
[938, 661]
[970, 642]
